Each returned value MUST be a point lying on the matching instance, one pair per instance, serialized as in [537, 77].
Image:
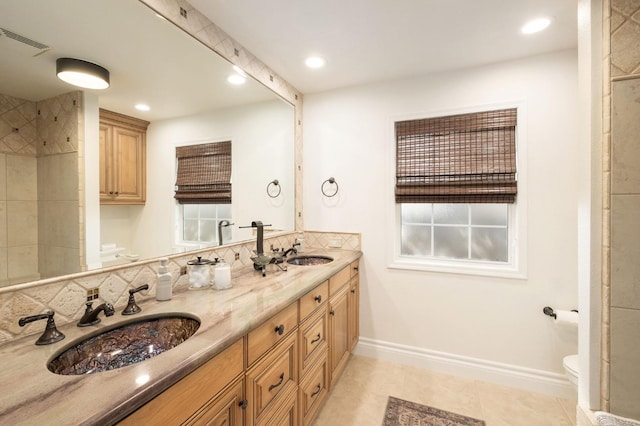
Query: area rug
[405, 413]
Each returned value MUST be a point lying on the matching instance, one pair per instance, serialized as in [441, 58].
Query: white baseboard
[529, 379]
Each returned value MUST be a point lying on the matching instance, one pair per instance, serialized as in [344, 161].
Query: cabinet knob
[332, 312]
[243, 404]
[280, 329]
[355, 268]
[110, 192]
[318, 298]
[353, 291]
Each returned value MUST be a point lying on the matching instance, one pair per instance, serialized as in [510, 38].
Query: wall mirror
[185, 84]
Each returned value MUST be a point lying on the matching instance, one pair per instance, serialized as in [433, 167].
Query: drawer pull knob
[243, 404]
[277, 384]
[280, 329]
[318, 298]
[318, 337]
[332, 312]
[317, 391]
[353, 291]
[355, 268]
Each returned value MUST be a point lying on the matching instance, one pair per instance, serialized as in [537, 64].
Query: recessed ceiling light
[315, 62]
[535, 25]
[142, 107]
[236, 79]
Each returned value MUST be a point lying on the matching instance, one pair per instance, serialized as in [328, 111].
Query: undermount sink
[124, 345]
[309, 260]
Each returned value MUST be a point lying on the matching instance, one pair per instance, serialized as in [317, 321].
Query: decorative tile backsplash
[67, 297]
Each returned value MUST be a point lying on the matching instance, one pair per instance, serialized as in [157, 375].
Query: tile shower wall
[67, 297]
[18, 190]
[39, 173]
[59, 137]
[621, 390]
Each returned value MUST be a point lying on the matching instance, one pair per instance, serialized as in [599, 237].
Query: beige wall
[621, 384]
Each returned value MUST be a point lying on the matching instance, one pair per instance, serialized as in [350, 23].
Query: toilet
[570, 363]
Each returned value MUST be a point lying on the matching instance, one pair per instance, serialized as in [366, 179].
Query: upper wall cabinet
[122, 159]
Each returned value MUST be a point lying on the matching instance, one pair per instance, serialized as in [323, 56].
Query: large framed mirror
[49, 200]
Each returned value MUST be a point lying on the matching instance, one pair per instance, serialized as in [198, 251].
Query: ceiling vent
[22, 44]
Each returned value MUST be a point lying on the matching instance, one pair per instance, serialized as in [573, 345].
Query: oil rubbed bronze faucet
[132, 306]
[51, 333]
[90, 316]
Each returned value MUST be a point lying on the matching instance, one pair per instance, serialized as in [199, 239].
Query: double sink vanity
[266, 351]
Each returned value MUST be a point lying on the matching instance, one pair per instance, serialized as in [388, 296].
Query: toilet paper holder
[547, 310]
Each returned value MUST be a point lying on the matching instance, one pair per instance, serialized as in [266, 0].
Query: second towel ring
[332, 181]
[277, 185]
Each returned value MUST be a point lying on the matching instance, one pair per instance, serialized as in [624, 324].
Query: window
[456, 187]
[455, 231]
[203, 191]
[205, 223]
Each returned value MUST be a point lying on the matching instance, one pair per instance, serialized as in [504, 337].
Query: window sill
[486, 269]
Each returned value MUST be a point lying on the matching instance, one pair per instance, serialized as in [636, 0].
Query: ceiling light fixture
[315, 62]
[82, 73]
[535, 25]
[142, 107]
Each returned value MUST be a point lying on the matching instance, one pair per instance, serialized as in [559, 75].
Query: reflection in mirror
[49, 139]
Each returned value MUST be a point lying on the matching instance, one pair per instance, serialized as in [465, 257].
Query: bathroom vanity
[268, 351]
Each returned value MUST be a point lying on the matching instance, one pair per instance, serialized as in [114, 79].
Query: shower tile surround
[34, 138]
[621, 201]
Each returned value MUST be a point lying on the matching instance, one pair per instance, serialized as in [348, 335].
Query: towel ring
[331, 180]
[276, 184]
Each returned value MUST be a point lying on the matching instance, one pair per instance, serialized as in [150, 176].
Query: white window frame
[516, 267]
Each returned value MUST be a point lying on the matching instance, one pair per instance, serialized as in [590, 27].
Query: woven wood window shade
[204, 173]
[467, 158]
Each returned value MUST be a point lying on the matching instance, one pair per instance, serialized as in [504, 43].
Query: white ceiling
[375, 40]
[150, 60]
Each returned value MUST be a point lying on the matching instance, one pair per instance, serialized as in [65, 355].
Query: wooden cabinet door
[338, 332]
[185, 400]
[225, 410]
[106, 164]
[129, 165]
[123, 151]
[354, 311]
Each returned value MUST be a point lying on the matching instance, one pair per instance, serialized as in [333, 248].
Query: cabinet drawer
[287, 415]
[313, 339]
[271, 332]
[339, 280]
[271, 379]
[316, 297]
[313, 389]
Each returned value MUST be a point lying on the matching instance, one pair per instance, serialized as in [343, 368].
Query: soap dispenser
[163, 285]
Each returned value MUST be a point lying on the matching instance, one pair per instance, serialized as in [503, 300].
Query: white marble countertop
[31, 394]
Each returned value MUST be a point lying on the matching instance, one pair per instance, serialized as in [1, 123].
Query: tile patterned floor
[360, 397]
